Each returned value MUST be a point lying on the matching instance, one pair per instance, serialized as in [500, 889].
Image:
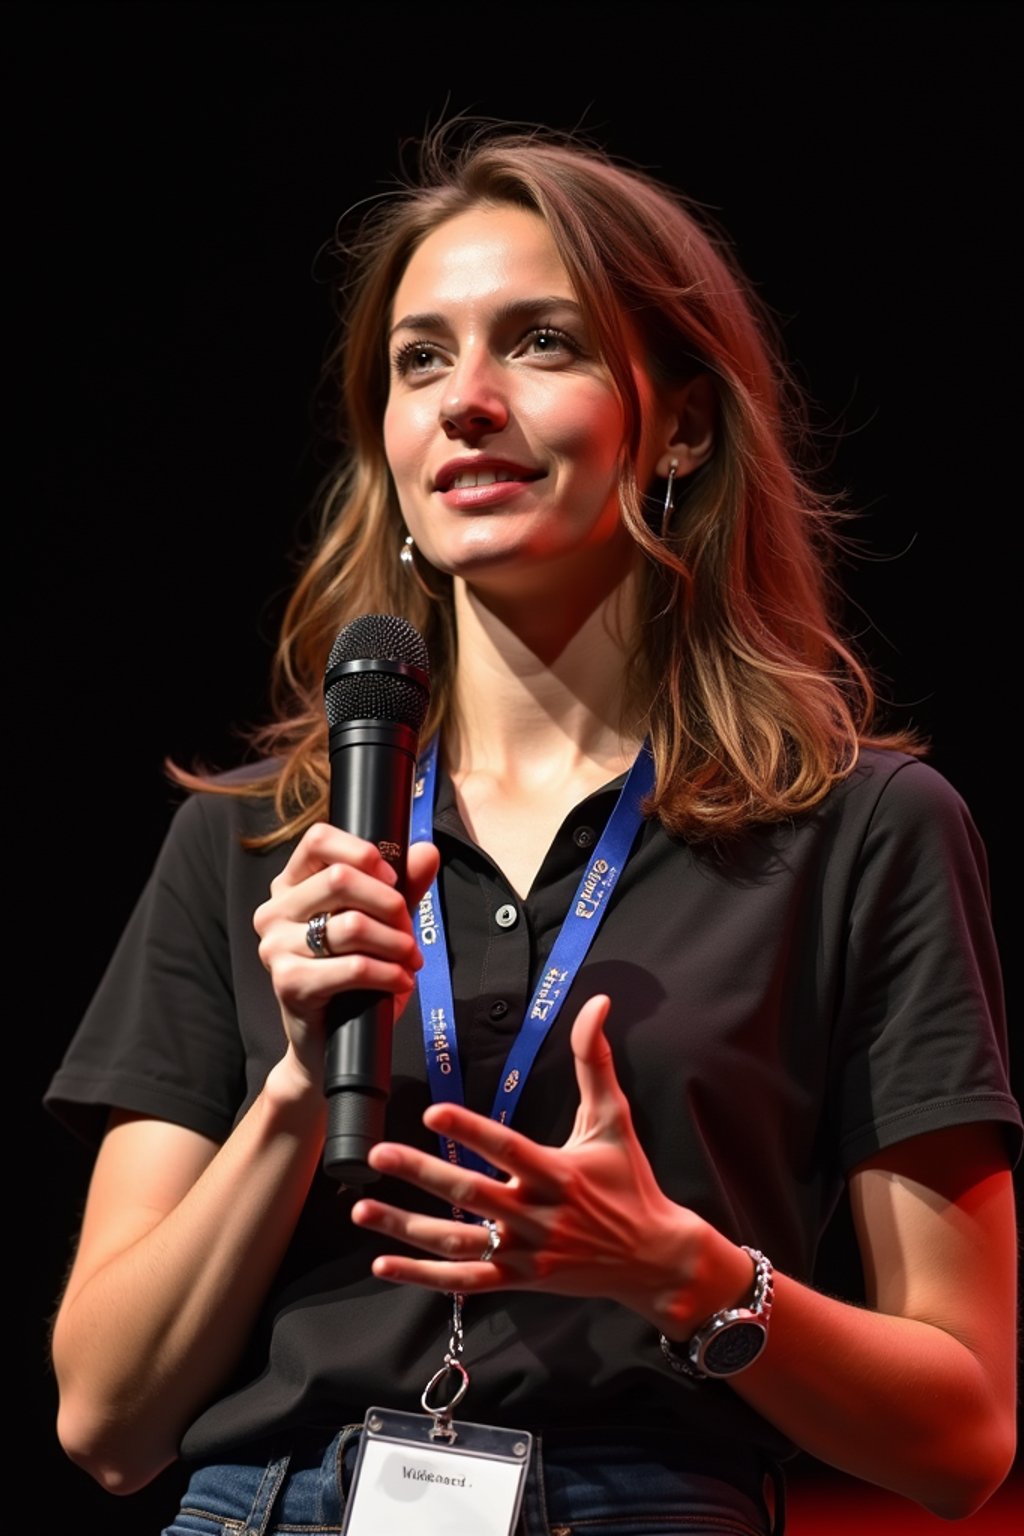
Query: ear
[692, 425]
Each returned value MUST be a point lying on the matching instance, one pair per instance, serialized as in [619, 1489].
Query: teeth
[469, 478]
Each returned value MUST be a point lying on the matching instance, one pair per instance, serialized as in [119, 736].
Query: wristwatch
[732, 1339]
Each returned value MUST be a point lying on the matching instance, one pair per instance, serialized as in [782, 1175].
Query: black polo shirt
[780, 1011]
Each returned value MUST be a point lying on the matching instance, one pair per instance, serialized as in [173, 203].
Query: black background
[175, 170]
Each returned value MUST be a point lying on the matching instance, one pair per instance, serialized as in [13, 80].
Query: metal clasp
[442, 1416]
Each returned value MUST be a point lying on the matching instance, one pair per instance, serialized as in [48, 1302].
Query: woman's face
[502, 427]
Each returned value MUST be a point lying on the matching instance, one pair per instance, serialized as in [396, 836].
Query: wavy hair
[755, 702]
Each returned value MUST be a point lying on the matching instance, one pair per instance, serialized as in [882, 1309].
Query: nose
[474, 404]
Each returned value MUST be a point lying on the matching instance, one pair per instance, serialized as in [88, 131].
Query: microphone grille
[394, 685]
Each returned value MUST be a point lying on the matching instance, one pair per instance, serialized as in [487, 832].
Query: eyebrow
[514, 309]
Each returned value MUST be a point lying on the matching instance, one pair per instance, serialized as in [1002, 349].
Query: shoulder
[904, 834]
[893, 824]
[880, 770]
[236, 803]
[208, 848]
[892, 789]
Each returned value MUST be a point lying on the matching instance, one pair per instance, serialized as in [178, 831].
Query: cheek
[588, 432]
[404, 432]
[591, 441]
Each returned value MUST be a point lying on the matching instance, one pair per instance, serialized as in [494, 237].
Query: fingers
[322, 845]
[603, 1104]
[422, 865]
[366, 939]
[331, 871]
[499, 1146]
[366, 926]
[458, 1187]
[438, 1275]
[460, 1242]
[467, 1253]
[589, 1045]
[573, 1220]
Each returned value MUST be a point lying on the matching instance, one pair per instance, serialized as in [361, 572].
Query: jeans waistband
[581, 1480]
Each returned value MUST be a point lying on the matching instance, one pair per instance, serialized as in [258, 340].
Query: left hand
[584, 1219]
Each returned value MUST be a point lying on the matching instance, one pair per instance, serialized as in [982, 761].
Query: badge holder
[432, 1475]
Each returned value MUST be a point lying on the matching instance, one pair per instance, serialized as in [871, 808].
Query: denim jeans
[593, 1484]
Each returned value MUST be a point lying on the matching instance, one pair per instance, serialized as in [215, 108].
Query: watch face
[733, 1348]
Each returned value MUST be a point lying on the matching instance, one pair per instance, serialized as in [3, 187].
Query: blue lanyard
[588, 907]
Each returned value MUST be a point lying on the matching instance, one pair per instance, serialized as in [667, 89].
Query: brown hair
[755, 702]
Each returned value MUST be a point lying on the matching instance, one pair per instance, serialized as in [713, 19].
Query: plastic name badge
[413, 1478]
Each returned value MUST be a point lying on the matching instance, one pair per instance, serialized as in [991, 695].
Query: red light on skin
[820, 1502]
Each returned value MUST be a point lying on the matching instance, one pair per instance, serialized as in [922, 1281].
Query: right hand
[369, 931]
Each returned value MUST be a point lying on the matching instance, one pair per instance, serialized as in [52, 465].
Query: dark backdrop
[175, 169]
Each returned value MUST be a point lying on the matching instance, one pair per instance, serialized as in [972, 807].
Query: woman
[713, 948]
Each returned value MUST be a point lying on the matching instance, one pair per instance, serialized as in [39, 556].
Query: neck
[541, 688]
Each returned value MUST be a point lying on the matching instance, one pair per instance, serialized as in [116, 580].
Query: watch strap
[759, 1311]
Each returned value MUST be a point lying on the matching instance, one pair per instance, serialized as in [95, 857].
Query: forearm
[893, 1400]
[916, 1390]
[143, 1341]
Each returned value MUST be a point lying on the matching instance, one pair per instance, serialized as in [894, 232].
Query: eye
[417, 357]
[549, 341]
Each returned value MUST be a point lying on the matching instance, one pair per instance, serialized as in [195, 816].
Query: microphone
[376, 693]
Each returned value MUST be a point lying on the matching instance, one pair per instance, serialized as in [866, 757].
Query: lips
[470, 474]
[470, 478]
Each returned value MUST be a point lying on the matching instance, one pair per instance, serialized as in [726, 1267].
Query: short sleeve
[161, 1035]
[921, 1042]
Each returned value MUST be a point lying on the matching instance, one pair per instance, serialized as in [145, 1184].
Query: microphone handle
[373, 765]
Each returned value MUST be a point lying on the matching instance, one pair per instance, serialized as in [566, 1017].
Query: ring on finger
[493, 1241]
[316, 935]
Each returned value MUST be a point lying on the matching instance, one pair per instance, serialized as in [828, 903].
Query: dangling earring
[408, 560]
[670, 503]
[405, 555]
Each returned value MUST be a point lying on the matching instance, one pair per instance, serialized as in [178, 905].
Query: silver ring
[493, 1242]
[316, 935]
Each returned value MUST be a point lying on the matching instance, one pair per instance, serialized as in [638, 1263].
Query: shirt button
[583, 837]
[506, 916]
[499, 1009]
